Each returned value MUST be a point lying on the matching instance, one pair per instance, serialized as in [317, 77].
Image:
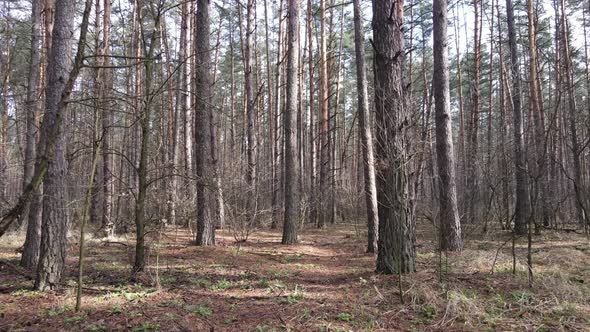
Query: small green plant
[221, 285]
[264, 328]
[275, 285]
[59, 310]
[542, 328]
[201, 282]
[24, 292]
[344, 316]
[306, 313]
[146, 327]
[262, 283]
[295, 296]
[199, 309]
[428, 312]
[167, 280]
[521, 296]
[289, 258]
[246, 274]
[245, 284]
[279, 273]
[115, 308]
[130, 296]
[96, 327]
[231, 320]
[74, 319]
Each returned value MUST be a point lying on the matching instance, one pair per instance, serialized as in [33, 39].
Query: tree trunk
[291, 218]
[145, 124]
[312, 131]
[30, 256]
[324, 139]
[107, 121]
[539, 133]
[473, 129]
[51, 153]
[396, 252]
[365, 130]
[448, 212]
[522, 208]
[205, 177]
[250, 111]
[578, 184]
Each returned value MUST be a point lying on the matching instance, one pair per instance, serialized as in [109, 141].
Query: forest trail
[324, 283]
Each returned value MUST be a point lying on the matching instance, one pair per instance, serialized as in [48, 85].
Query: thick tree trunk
[366, 132]
[51, 153]
[448, 212]
[396, 252]
[291, 218]
[205, 176]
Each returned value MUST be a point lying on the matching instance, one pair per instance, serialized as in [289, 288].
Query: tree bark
[448, 212]
[578, 184]
[396, 251]
[252, 147]
[324, 139]
[366, 132]
[522, 208]
[61, 75]
[312, 126]
[291, 218]
[107, 224]
[205, 181]
[30, 256]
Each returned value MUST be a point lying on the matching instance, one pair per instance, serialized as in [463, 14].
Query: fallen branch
[18, 270]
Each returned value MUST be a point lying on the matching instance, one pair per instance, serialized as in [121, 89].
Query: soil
[324, 283]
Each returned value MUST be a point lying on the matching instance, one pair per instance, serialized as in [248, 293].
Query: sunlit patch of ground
[324, 283]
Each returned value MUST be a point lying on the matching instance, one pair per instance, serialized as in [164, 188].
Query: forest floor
[325, 283]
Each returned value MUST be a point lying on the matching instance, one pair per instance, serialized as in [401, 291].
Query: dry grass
[325, 283]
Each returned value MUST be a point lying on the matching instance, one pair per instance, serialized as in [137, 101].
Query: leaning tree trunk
[448, 212]
[365, 130]
[396, 252]
[205, 198]
[522, 207]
